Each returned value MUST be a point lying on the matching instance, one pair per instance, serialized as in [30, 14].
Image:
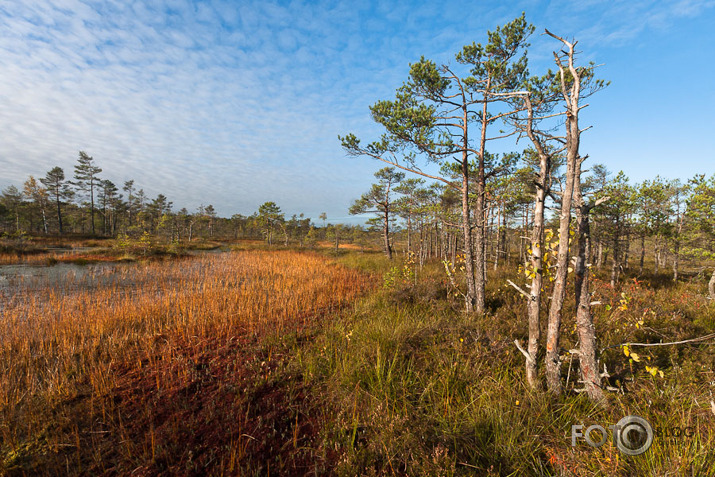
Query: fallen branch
[671, 343]
[520, 290]
[523, 351]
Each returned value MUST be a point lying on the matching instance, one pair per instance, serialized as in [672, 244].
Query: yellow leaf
[635, 357]
[626, 351]
[652, 370]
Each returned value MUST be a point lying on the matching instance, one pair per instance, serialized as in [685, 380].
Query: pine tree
[86, 175]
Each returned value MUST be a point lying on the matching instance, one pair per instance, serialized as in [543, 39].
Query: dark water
[23, 279]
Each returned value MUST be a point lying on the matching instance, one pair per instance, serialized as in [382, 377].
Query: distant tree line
[85, 203]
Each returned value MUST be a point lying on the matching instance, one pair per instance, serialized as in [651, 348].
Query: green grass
[418, 388]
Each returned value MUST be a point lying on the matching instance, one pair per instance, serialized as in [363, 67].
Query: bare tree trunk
[385, 234]
[536, 256]
[711, 286]
[676, 244]
[571, 96]
[522, 251]
[642, 259]
[470, 299]
[615, 269]
[599, 260]
[480, 215]
[497, 251]
[409, 235]
[44, 220]
[504, 239]
[91, 206]
[59, 214]
[553, 363]
[534, 305]
[588, 363]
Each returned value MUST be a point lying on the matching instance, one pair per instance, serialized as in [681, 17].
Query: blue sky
[234, 103]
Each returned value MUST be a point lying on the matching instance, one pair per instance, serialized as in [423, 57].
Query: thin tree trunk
[642, 259]
[497, 250]
[711, 286]
[616, 267]
[471, 297]
[504, 240]
[409, 235]
[537, 251]
[534, 305]
[588, 362]
[571, 96]
[676, 244]
[44, 220]
[385, 234]
[480, 216]
[59, 213]
[553, 363]
[91, 204]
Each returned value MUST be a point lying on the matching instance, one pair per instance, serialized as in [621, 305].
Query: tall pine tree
[86, 175]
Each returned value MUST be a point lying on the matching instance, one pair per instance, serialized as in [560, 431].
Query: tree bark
[536, 256]
[479, 213]
[59, 212]
[642, 259]
[588, 362]
[571, 97]
[616, 267]
[534, 305]
[91, 203]
[385, 234]
[497, 251]
[711, 286]
[409, 235]
[553, 363]
[471, 299]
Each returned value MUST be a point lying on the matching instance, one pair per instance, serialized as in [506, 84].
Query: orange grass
[46, 258]
[69, 338]
[35, 258]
